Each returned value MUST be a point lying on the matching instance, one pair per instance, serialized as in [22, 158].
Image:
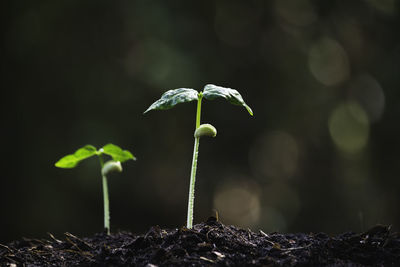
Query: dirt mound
[210, 243]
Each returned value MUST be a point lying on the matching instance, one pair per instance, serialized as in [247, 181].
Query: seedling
[118, 156]
[173, 97]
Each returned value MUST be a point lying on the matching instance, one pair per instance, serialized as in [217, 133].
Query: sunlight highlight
[238, 203]
[349, 127]
[328, 62]
[275, 155]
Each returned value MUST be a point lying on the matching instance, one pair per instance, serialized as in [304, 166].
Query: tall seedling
[173, 97]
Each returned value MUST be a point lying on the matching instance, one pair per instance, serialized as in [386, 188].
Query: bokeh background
[320, 154]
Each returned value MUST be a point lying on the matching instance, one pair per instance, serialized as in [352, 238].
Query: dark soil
[208, 244]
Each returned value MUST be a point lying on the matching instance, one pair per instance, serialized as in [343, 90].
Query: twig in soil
[219, 255]
[75, 245]
[241, 238]
[205, 259]
[6, 247]
[264, 234]
[55, 239]
[79, 252]
[35, 241]
[14, 261]
[87, 245]
[209, 231]
[273, 244]
[287, 250]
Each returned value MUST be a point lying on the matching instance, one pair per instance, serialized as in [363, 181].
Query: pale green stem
[198, 113]
[105, 199]
[106, 205]
[189, 223]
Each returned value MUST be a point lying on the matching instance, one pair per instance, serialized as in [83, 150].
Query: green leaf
[174, 97]
[71, 160]
[117, 153]
[212, 91]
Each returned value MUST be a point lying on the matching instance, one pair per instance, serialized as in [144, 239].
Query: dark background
[320, 154]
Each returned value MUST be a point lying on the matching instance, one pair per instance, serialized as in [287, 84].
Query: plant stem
[106, 205]
[189, 223]
[105, 199]
[198, 113]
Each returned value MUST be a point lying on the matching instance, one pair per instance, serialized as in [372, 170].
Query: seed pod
[205, 130]
[111, 166]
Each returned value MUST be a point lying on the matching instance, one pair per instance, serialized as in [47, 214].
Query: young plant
[118, 156]
[173, 97]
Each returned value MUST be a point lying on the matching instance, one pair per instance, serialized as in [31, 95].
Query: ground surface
[207, 244]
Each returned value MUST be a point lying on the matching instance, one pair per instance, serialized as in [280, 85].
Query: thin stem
[189, 223]
[198, 114]
[106, 205]
[105, 198]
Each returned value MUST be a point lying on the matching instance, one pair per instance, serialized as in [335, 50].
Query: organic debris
[208, 244]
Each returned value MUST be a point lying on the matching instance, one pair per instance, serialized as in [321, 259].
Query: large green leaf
[174, 97]
[71, 160]
[117, 153]
[212, 91]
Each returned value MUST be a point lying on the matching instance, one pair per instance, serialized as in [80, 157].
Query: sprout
[118, 155]
[173, 97]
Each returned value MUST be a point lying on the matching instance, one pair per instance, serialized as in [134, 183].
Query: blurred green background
[320, 154]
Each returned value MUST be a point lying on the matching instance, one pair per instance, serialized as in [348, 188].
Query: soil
[208, 244]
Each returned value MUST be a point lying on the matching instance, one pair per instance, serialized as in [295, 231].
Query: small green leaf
[117, 153]
[212, 91]
[174, 97]
[71, 160]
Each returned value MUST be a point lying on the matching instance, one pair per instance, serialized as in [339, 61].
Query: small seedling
[118, 156]
[173, 97]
